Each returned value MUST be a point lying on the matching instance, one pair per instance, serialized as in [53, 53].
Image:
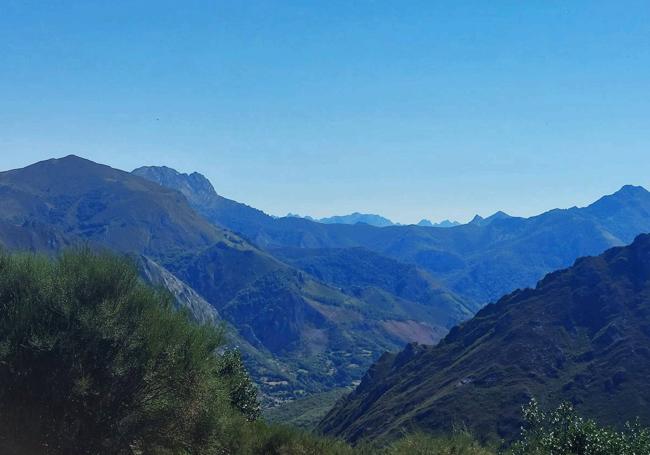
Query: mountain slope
[300, 335]
[186, 297]
[582, 335]
[104, 205]
[361, 269]
[480, 261]
[357, 270]
[201, 195]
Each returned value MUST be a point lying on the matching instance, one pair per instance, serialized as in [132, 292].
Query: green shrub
[460, 443]
[563, 432]
[242, 390]
[92, 361]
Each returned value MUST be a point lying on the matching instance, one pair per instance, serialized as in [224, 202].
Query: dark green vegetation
[92, 361]
[297, 334]
[480, 261]
[562, 431]
[581, 336]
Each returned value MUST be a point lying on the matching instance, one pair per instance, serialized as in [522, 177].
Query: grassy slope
[305, 413]
[582, 336]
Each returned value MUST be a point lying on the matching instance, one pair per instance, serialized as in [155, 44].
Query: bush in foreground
[92, 361]
[419, 444]
[563, 432]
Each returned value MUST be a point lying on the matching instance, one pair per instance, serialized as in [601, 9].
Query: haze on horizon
[419, 110]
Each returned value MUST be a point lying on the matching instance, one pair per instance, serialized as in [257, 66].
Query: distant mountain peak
[70, 157]
[357, 217]
[629, 196]
[295, 215]
[478, 220]
[442, 224]
[69, 160]
[193, 184]
[500, 215]
[626, 192]
[632, 190]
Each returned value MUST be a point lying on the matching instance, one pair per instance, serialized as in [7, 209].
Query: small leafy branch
[563, 432]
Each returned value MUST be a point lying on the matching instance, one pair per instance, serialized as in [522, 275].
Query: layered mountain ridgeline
[356, 217]
[478, 220]
[480, 261]
[358, 272]
[352, 218]
[299, 335]
[582, 335]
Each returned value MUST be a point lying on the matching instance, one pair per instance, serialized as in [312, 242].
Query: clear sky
[410, 109]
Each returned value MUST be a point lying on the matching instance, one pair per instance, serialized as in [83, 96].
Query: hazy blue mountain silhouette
[481, 260]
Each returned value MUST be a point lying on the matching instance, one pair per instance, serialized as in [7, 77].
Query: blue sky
[411, 109]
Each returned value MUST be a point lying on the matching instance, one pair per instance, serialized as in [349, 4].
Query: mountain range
[582, 335]
[442, 224]
[356, 217]
[479, 261]
[311, 305]
[299, 334]
[366, 218]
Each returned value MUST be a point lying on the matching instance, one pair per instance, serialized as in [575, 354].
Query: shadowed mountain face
[582, 335]
[299, 335]
[480, 261]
